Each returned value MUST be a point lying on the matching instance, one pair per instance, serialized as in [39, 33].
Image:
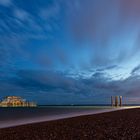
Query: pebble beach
[116, 125]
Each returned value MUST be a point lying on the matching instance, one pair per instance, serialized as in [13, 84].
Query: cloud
[21, 14]
[44, 84]
[97, 19]
[5, 2]
[107, 28]
[107, 68]
[136, 70]
[59, 49]
[52, 11]
[91, 19]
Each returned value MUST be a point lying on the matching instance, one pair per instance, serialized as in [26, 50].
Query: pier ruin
[16, 101]
[116, 101]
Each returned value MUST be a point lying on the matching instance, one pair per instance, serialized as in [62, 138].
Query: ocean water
[14, 113]
[13, 116]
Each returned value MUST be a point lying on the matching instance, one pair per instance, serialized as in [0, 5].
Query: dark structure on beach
[116, 101]
[120, 100]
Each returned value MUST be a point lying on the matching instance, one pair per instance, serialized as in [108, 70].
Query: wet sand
[116, 125]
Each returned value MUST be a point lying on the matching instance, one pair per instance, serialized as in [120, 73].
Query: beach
[115, 125]
[14, 116]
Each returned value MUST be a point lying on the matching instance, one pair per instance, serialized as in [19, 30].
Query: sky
[58, 52]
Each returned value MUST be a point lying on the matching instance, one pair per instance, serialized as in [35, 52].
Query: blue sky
[70, 51]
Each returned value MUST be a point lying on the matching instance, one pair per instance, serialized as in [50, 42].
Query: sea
[14, 116]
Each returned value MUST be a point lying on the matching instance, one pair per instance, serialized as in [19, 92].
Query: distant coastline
[88, 105]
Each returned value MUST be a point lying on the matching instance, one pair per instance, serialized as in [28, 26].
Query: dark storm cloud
[46, 78]
[130, 86]
[35, 83]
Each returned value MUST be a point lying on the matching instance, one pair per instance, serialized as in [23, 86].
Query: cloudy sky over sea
[70, 51]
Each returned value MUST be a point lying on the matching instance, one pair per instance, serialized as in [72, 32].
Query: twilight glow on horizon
[70, 51]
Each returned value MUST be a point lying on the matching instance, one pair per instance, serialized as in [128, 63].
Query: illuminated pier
[16, 101]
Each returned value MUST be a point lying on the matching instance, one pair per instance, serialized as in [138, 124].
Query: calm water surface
[14, 113]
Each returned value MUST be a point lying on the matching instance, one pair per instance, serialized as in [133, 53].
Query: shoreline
[47, 118]
[121, 124]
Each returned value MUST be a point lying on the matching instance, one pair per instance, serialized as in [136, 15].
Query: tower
[116, 101]
[120, 97]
